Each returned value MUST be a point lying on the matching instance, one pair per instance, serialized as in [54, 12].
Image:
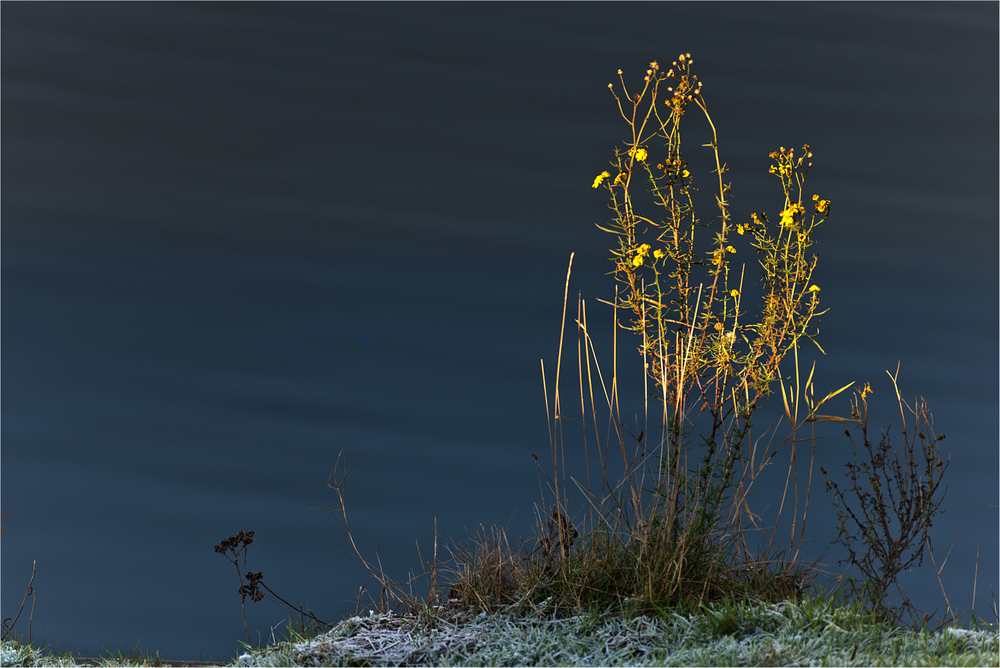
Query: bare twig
[30, 591]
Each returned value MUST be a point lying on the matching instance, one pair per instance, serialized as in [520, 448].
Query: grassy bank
[813, 632]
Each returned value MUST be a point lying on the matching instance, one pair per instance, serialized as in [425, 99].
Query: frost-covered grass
[814, 632]
[16, 654]
[811, 633]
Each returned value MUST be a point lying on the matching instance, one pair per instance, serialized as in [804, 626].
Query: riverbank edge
[813, 632]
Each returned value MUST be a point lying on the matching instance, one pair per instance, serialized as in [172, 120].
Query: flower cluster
[640, 255]
[678, 285]
[688, 87]
[822, 205]
[599, 179]
[640, 154]
[787, 164]
[782, 170]
[719, 255]
[791, 214]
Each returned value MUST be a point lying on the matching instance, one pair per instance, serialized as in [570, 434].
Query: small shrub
[898, 493]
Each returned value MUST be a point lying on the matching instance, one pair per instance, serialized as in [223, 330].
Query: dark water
[238, 239]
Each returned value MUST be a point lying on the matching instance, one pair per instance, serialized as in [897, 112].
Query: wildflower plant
[690, 321]
[680, 509]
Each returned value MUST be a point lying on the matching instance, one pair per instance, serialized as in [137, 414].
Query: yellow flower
[730, 249]
[639, 153]
[620, 178]
[866, 390]
[718, 326]
[740, 229]
[658, 254]
[788, 215]
[640, 254]
[813, 288]
[734, 293]
[600, 179]
[685, 173]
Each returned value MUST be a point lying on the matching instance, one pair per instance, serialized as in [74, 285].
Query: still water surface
[238, 239]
